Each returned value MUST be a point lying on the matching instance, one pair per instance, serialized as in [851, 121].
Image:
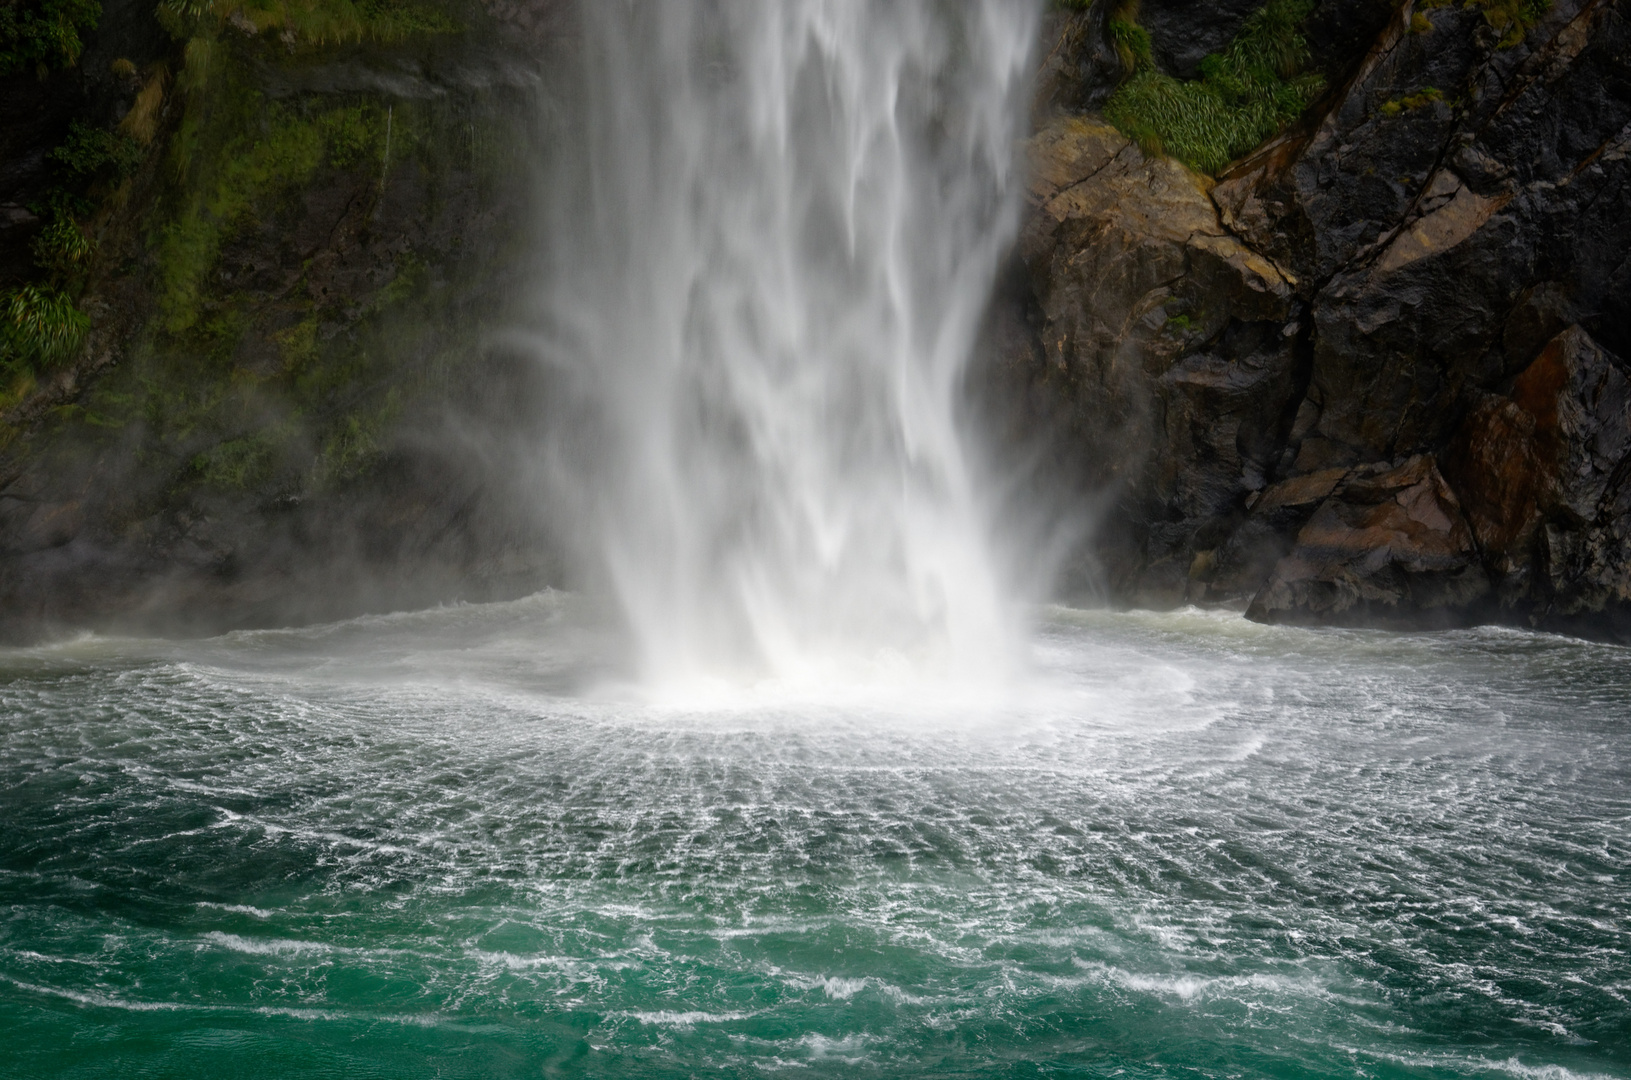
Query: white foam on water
[683, 1018]
[266, 947]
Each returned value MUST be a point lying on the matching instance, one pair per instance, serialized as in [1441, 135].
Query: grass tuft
[141, 123]
[39, 327]
[62, 249]
[1245, 94]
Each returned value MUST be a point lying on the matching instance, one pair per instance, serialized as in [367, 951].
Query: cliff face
[1373, 372]
[281, 409]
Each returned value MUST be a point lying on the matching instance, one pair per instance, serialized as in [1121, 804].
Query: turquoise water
[440, 845]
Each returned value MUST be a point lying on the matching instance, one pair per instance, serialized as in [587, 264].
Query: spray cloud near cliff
[770, 252]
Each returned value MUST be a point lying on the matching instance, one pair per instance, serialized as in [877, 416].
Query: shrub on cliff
[43, 34]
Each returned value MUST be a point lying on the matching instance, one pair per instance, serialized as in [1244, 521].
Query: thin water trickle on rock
[771, 245]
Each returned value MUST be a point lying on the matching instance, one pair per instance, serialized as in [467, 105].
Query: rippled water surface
[443, 845]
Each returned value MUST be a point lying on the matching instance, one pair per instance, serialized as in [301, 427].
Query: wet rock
[1170, 345]
[1390, 545]
[1255, 548]
[1079, 68]
[1376, 289]
[1184, 32]
[314, 444]
[1541, 472]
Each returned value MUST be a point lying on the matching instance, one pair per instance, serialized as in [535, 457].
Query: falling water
[772, 250]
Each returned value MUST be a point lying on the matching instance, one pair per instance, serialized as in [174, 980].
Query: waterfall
[772, 240]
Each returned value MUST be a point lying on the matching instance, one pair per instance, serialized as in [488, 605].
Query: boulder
[1389, 545]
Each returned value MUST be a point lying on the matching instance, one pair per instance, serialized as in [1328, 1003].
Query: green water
[1187, 847]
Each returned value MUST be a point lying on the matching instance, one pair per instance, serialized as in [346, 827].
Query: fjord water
[770, 238]
[450, 844]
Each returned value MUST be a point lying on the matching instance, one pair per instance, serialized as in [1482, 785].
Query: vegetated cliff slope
[251, 255]
[1373, 371]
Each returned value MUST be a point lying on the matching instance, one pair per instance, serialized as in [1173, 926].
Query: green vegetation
[39, 327]
[42, 34]
[1131, 40]
[312, 22]
[243, 389]
[1425, 96]
[62, 249]
[257, 373]
[90, 151]
[1512, 19]
[1245, 94]
[250, 170]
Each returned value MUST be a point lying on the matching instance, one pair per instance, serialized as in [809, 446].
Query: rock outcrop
[1373, 373]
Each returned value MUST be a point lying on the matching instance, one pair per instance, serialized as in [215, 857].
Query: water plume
[772, 240]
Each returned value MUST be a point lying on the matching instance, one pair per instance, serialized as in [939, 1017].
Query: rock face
[1374, 372]
[1389, 545]
[286, 407]
[1545, 472]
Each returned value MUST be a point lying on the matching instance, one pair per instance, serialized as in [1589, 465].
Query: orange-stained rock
[1299, 491]
[1390, 542]
[1548, 451]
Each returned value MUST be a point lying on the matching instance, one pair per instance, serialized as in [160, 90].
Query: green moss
[42, 34]
[238, 463]
[250, 171]
[1245, 94]
[1512, 19]
[354, 443]
[1423, 97]
[354, 136]
[298, 344]
[401, 18]
[238, 390]
[237, 160]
